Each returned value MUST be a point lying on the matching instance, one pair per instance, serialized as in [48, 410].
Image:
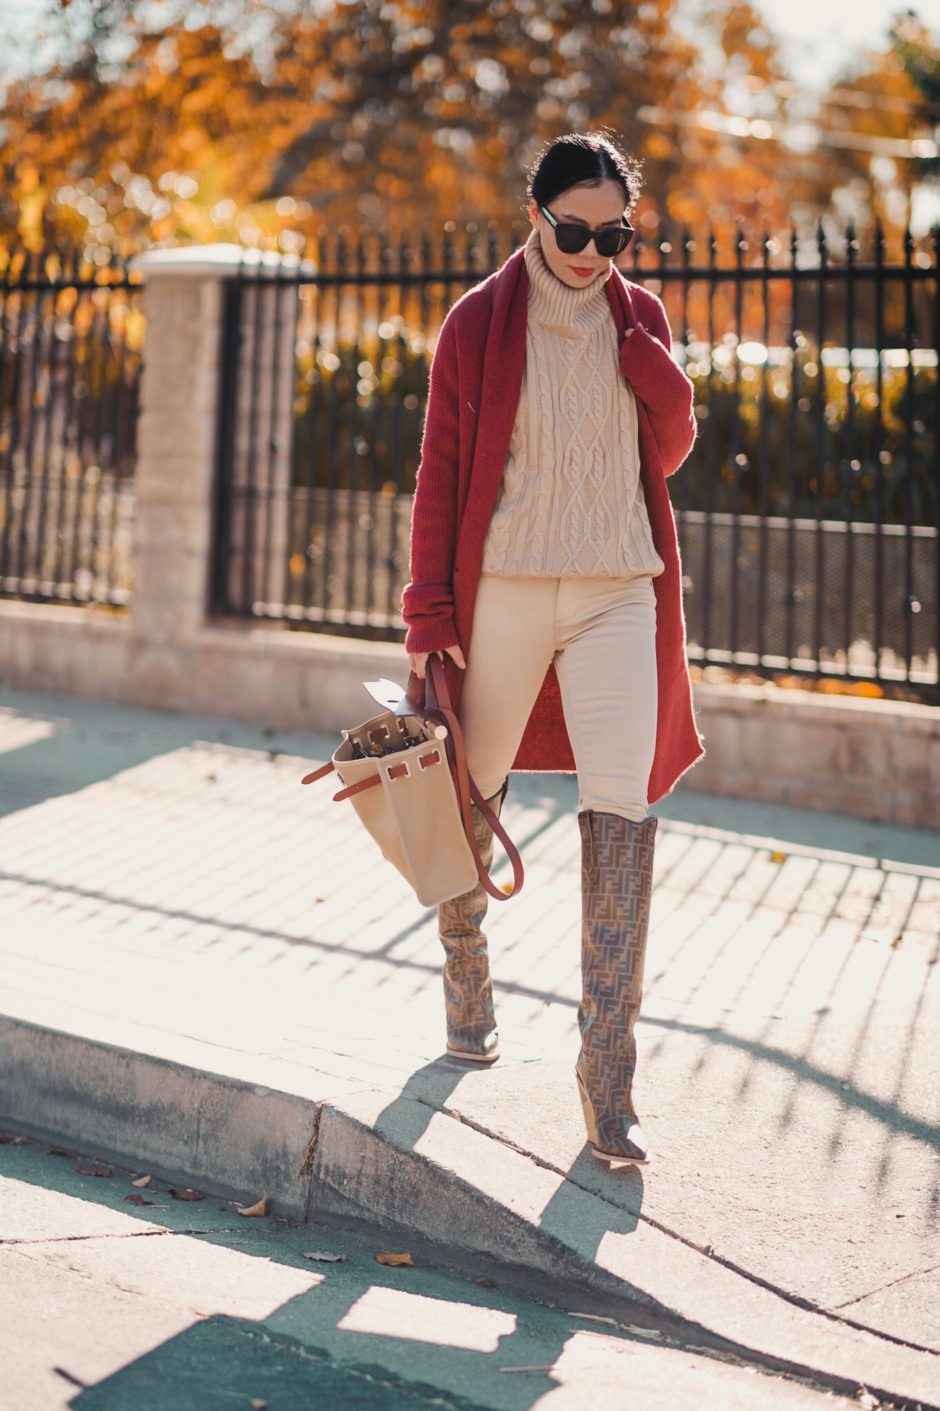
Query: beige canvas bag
[405, 773]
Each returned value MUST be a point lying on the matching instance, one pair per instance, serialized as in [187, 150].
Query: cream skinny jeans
[601, 635]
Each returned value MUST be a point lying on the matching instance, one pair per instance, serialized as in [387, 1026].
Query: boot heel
[590, 1121]
[634, 1151]
[489, 1054]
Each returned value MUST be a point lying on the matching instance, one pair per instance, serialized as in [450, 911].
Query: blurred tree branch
[183, 120]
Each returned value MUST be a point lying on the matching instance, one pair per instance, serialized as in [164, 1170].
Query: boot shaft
[616, 894]
[616, 869]
[468, 991]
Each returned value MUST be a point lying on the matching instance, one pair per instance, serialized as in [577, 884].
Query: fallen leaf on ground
[395, 1260]
[136, 1199]
[260, 1209]
[778, 857]
[181, 1194]
[21, 1141]
[93, 1170]
[5, 1138]
[485, 1283]
[597, 1318]
[325, 1257]
[258, 1405]
[142, 1181]
[57, 1151]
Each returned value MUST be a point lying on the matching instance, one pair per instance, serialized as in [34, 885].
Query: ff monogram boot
[616, 889]
[468, 993]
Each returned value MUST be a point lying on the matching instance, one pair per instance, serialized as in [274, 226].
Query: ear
[535, 214]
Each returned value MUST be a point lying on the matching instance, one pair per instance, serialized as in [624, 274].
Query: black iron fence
[809, 507]
[70, 344]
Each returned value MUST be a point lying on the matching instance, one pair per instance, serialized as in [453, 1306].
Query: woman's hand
[419, 660]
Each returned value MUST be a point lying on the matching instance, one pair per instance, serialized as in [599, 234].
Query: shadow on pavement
[53, 745]
[359, 1335]
[224, 1362]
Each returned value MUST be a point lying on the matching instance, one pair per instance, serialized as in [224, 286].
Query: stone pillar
[177, 443]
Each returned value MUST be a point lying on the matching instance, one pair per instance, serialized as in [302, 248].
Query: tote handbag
[405, 773]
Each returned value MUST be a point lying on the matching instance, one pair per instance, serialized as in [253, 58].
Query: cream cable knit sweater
[571, 502]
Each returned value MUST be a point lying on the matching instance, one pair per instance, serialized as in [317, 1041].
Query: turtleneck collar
[556, 305]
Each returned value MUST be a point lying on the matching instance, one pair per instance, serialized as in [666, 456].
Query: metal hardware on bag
[407, 743]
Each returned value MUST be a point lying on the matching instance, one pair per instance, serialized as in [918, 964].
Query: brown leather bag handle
[320, 773]
[437, 706]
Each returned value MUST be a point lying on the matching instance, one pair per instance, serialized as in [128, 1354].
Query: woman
[545, 572]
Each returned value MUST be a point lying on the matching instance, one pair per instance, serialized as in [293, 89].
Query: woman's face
[591, 206]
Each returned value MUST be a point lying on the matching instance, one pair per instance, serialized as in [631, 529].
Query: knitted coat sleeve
[428, 599]
[658, 380]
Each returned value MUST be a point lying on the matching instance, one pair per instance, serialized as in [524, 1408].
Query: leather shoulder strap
[437, 703]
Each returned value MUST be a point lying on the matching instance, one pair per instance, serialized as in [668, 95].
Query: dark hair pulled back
[582, 159]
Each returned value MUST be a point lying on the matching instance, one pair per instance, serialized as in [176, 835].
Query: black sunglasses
[571, 239]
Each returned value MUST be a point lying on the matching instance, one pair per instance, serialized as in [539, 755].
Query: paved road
[107, 1305]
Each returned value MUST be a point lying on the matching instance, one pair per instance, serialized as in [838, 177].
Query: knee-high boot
[468, 992]
[616, 889]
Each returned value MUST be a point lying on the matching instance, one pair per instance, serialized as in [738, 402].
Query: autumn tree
[442, 104]
[880, 119]
[240, 118]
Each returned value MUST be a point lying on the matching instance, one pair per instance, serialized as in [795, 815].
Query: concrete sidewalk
[209, 969]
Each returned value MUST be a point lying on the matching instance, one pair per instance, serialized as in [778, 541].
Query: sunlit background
[253, 120]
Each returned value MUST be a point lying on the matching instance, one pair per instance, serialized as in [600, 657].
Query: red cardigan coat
[476, 380]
